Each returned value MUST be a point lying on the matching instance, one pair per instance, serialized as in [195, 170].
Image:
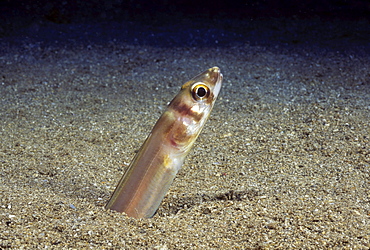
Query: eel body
[150, 174]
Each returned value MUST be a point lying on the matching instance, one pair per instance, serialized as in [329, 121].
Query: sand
[283, 162]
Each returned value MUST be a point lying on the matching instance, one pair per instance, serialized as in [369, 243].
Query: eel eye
[200, 92]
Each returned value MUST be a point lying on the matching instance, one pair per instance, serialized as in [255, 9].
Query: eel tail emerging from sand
[150, 174]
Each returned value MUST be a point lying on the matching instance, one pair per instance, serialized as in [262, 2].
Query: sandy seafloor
[283, 162]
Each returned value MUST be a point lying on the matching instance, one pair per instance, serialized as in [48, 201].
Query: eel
[146, 181]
